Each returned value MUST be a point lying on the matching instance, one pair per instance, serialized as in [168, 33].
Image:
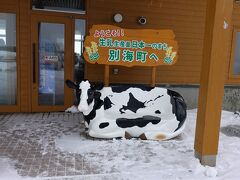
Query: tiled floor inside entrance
[29, 140]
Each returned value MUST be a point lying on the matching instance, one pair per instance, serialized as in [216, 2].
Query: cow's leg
[160, 135]
[153, 135]
[105, 129]
[127, 135]
[166, 131]
[114, 134]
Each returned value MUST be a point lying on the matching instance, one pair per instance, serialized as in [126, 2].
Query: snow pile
[7, 170]
[72, 109]
[173, 159]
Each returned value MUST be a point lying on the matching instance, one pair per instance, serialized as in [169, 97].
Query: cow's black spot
[103, 125]
[97, 105]
[155, 98]
[107, 103]
[132, 105]
[179, 107]
[97, 86]
[157, 112]
[90, 93]
[120, 89]
[140, 122]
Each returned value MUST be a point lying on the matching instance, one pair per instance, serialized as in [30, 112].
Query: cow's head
[85, 93]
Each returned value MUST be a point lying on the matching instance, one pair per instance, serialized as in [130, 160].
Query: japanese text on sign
[109, 45]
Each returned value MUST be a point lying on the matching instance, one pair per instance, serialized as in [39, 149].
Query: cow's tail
[179, 107]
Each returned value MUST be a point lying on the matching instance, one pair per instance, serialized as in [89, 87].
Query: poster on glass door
[47, 61]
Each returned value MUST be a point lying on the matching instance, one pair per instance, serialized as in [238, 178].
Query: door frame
[68, 60]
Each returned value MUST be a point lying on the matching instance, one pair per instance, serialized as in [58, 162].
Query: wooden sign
[112, 45]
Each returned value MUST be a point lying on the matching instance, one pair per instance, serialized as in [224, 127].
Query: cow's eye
[90, 93]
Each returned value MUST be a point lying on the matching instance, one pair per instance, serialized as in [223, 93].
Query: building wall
[9, 5]
[231, 99]
[185, 18]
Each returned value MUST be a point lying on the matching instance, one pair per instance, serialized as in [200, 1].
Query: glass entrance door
[51, 61]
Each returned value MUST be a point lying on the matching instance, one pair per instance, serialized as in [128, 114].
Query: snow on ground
[7, 170]
[174, 159]
[137, 159]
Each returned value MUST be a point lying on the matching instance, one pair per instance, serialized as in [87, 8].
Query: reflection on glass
[237, 55]
[51, 64]
[78, 50]
[76, 6]
[8, 70]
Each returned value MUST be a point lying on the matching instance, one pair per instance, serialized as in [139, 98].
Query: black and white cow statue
[123, 111]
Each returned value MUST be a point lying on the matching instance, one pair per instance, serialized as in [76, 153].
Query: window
[73, 6]
[78, 49]
[79, 36]
[51, 63]
[8, 70]
[235, 70]
[2, 32]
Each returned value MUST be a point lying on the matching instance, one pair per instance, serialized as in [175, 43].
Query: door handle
[34, 61]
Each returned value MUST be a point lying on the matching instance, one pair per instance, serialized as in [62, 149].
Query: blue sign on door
[47, 62]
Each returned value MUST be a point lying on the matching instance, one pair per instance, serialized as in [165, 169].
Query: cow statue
[122, 111]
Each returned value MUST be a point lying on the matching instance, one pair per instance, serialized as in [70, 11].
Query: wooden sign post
[112, 45]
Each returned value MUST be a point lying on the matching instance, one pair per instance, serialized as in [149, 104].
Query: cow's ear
[98, 86]
[71, 84]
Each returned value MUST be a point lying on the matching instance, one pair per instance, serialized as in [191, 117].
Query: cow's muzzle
[83, 106]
